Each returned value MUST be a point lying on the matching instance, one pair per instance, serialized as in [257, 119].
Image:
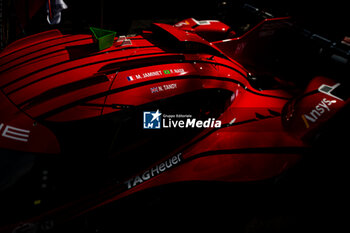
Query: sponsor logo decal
[323, 106]
[317, 112]
[157, 120]
[154, 171]
[14, 133]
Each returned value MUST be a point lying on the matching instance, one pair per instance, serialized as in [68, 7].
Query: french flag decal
[130, 78]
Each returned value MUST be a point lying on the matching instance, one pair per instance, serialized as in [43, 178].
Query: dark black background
[327, 17]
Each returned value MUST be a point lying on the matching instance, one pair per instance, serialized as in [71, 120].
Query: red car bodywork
[50, 78]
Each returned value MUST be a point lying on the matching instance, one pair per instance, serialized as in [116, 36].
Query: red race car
[86, 120]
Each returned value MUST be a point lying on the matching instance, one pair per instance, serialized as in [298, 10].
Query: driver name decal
[156, 73]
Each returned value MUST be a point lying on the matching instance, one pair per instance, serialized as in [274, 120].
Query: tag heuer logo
[151, 120]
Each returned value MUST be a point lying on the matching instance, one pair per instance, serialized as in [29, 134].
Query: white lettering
[146, 175]
[324, 105]
[14, 133]
[164, 124]
[128, 183]
[162, 167]
[156, 170]
[153, 170]
[217, 124]
[318, 111]
[190, 122]
[149, 125]
[199, 124]
[206, 124]
[137, 181]
[310, 118]
[181, 124]
[315, 114]
[151, 74]
[179, 70]
[170, 86]
[174, 123]
[168, 163]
